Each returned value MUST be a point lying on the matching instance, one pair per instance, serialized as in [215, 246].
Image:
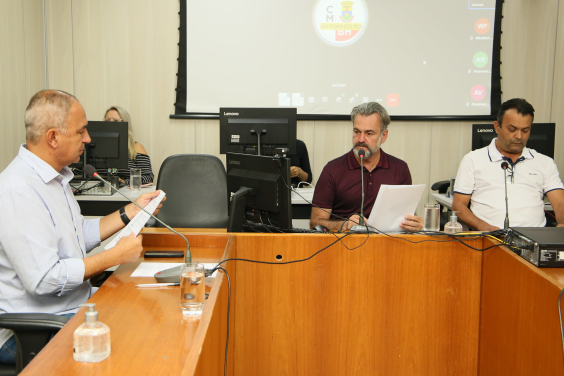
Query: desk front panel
[388, 307]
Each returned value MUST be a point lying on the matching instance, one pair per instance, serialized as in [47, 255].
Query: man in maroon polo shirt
[338, 190]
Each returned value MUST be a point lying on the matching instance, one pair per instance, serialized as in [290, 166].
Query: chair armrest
[32, 331]
[441, 186]
[32, 321]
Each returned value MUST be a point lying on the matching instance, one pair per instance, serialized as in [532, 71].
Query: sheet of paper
[149, 269]
[392, 204]
[137, 223]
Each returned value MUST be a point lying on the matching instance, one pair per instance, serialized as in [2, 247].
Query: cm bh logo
[340, 23]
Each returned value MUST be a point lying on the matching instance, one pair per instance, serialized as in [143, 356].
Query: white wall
[123, 52]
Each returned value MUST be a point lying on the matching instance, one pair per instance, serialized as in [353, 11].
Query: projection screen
[419, 59]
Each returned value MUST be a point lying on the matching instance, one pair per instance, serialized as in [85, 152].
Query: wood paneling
[372, 305]
[150, 336]
[386, 308]
[520, 330]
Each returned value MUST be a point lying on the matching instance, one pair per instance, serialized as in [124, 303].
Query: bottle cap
[91, 315]
[453, 217]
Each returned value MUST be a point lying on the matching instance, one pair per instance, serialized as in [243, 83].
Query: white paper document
[392, 204]
[137, 223]
[149, 269]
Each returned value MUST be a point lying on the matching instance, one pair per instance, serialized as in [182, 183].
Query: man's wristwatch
[123, 216]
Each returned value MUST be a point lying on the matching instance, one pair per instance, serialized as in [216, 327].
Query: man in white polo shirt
[530, 176]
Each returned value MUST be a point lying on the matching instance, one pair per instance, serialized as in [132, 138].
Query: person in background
[300, 170]
[138, 156]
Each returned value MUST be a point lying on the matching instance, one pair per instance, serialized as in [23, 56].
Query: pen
[159, 284]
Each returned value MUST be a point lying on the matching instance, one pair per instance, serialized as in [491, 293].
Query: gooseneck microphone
[90, 171]
[361, 227]
[505, 166]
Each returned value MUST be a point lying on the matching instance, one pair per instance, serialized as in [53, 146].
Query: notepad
[392, 204]
[137, 223]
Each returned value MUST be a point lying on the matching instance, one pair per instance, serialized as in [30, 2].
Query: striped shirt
[144, 163]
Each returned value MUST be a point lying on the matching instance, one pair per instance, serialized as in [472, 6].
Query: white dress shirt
[43, 239]
[528, 180]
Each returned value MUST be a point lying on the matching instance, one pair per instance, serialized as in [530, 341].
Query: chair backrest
[196, 191]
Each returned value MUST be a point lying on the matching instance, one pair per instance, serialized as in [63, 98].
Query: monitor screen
[108, 146]
[250, 130]
[541, 138]
[258, 191]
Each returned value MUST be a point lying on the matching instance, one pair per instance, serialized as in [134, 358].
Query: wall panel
[123, 52]
[527, 54]
[558, 91]
[60, 54]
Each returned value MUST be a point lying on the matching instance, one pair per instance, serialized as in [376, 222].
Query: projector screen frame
[495, 100]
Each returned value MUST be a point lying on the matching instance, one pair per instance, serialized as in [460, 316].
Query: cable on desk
[228, 310]
[560, 317]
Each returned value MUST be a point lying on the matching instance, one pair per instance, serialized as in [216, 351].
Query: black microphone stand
[361, 227]
[187, 256]
[504, 166]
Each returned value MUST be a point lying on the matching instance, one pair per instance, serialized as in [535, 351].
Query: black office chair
[33, 331]
[196, 191]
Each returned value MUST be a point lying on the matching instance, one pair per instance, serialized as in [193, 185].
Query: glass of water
[431, 220]
[192, 289]
[135, 179]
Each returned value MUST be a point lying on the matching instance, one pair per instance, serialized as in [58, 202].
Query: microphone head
[89, 170]
[361, 153]
[504, 165]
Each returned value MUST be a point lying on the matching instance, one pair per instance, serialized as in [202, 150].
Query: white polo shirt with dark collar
[528, 180]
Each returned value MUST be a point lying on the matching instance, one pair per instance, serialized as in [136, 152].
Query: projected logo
[340, 23]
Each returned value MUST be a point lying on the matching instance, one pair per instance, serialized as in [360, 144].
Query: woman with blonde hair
[138, 157]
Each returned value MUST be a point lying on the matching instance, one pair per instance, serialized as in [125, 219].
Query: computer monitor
[258, 190]
[256, 131]
[541, 138]
[108, 146]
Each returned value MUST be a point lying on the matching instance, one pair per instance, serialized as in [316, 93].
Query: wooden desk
[388, 307]
[149, 334]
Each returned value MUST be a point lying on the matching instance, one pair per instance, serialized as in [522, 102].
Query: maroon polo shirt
[338, 187]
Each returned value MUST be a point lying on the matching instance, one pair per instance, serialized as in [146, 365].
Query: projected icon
[284, 99]
[324, 99]
[393, 100]
[364, 99]
[478, 92]
[480, 59]
[482, 26]
[297, 99]
[310, 99]
[338, 99]
[351, 100]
